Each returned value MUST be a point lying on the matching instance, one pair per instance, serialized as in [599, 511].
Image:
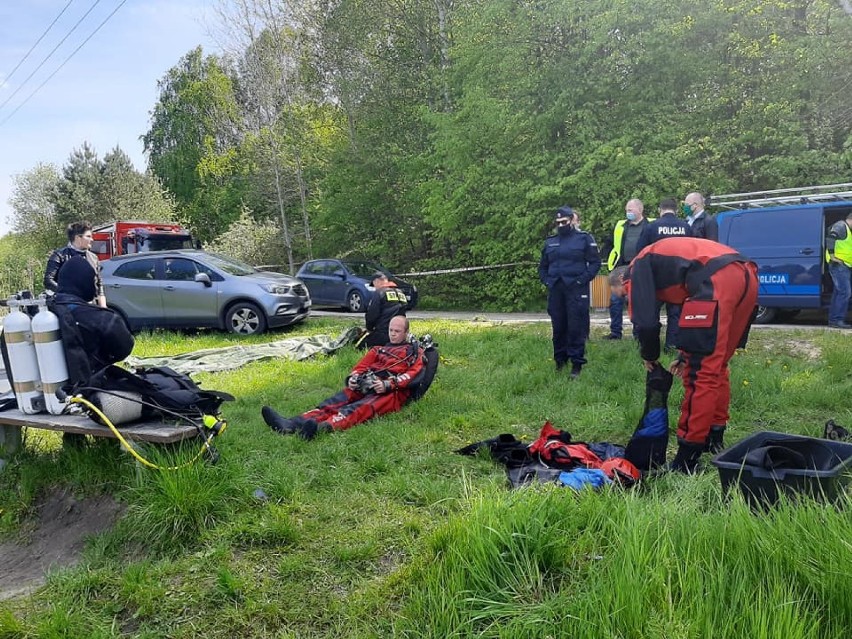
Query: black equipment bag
[163, 390]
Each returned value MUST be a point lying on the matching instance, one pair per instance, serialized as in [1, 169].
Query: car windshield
[228, 264]
[365, 269]
[167, 243]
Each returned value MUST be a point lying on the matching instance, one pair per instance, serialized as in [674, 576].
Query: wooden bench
[11, 422]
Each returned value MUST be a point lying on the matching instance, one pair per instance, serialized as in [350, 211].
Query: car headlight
[277, 289]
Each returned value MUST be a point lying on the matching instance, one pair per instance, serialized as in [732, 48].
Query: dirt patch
[797, 348]
[56, 539]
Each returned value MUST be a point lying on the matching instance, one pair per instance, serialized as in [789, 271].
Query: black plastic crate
[819, 468]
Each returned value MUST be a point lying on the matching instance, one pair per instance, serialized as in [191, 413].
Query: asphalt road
[804, 320]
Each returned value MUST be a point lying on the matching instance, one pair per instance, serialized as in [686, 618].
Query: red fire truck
[120, 238]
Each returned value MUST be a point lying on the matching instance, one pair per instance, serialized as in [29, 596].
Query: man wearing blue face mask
[625, 240]
[701, 223]
[569, 261]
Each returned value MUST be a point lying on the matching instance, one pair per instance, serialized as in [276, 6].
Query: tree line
[433, 134]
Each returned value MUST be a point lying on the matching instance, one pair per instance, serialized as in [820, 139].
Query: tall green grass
[383, 531]
[545, 563]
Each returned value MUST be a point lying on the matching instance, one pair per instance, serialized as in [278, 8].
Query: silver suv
[188, 288]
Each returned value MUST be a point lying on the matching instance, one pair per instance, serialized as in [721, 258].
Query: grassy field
[383, 532]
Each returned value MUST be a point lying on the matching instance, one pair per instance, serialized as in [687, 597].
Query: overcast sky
[103, 94]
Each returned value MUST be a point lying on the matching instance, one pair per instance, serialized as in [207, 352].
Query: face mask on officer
[564, 226]
[631, 216]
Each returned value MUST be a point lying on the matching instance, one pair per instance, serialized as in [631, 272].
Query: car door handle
[115, 285]
[806, 251]
[168, 287]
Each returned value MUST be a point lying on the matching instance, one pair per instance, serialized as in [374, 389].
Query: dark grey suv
[187, 288]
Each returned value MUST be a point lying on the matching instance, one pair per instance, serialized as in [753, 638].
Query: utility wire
[40, 38]
[41, 64]
[38, 88]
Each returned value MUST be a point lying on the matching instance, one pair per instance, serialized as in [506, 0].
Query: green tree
[108, 189]
[439, 133]
[33, 206]
[257, 243]
[194, 124]
[78, 193]
[125, 193]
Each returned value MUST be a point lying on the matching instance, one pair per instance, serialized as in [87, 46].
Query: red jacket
[672, 270]
[399, 363]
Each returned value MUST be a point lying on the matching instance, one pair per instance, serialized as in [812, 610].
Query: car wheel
[355, 302]
[765, 315]
[785, 315]
[244, 318]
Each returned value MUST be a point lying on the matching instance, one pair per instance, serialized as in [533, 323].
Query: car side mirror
[340, 273]
[204, 279]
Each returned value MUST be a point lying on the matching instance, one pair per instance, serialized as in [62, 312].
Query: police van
[783, 231]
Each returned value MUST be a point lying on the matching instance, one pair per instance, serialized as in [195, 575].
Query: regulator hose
[212, 427]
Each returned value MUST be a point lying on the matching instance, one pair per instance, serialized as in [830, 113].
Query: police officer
[387, 302]
[668, 225]
[838, 253]
[569, 261]
[625, 239]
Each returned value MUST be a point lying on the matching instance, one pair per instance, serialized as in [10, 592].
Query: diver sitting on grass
[381, 382]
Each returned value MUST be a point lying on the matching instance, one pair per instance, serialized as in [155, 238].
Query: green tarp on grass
[211, 360]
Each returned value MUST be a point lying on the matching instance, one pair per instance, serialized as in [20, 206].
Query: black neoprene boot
[715, 440]
[276, 422]
[308, 428]
[686, 459]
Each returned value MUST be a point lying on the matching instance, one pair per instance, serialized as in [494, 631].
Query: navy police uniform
[386, 303]
[569, 261]
[667, 226]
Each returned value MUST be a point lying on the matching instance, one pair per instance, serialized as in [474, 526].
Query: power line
[41, 64]
[27, 55]
[38, 88]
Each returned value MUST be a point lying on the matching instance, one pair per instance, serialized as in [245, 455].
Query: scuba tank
[51, 356]
[17, 332]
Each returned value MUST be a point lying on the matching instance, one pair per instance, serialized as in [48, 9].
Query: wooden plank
[157, 432]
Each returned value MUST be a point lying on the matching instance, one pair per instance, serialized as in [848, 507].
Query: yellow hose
[209, 421]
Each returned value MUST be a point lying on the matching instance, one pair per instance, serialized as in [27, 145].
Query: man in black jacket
[387, 302]
[93, 337]
[701, 223]
[79, 243]
[668, 225]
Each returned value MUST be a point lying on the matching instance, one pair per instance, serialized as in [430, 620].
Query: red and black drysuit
[718, 290]
[396, 364]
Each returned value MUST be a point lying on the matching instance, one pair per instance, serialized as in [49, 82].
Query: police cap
[564, 212]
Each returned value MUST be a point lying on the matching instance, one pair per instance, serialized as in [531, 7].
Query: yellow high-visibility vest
[617, 235]
[842, 249]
